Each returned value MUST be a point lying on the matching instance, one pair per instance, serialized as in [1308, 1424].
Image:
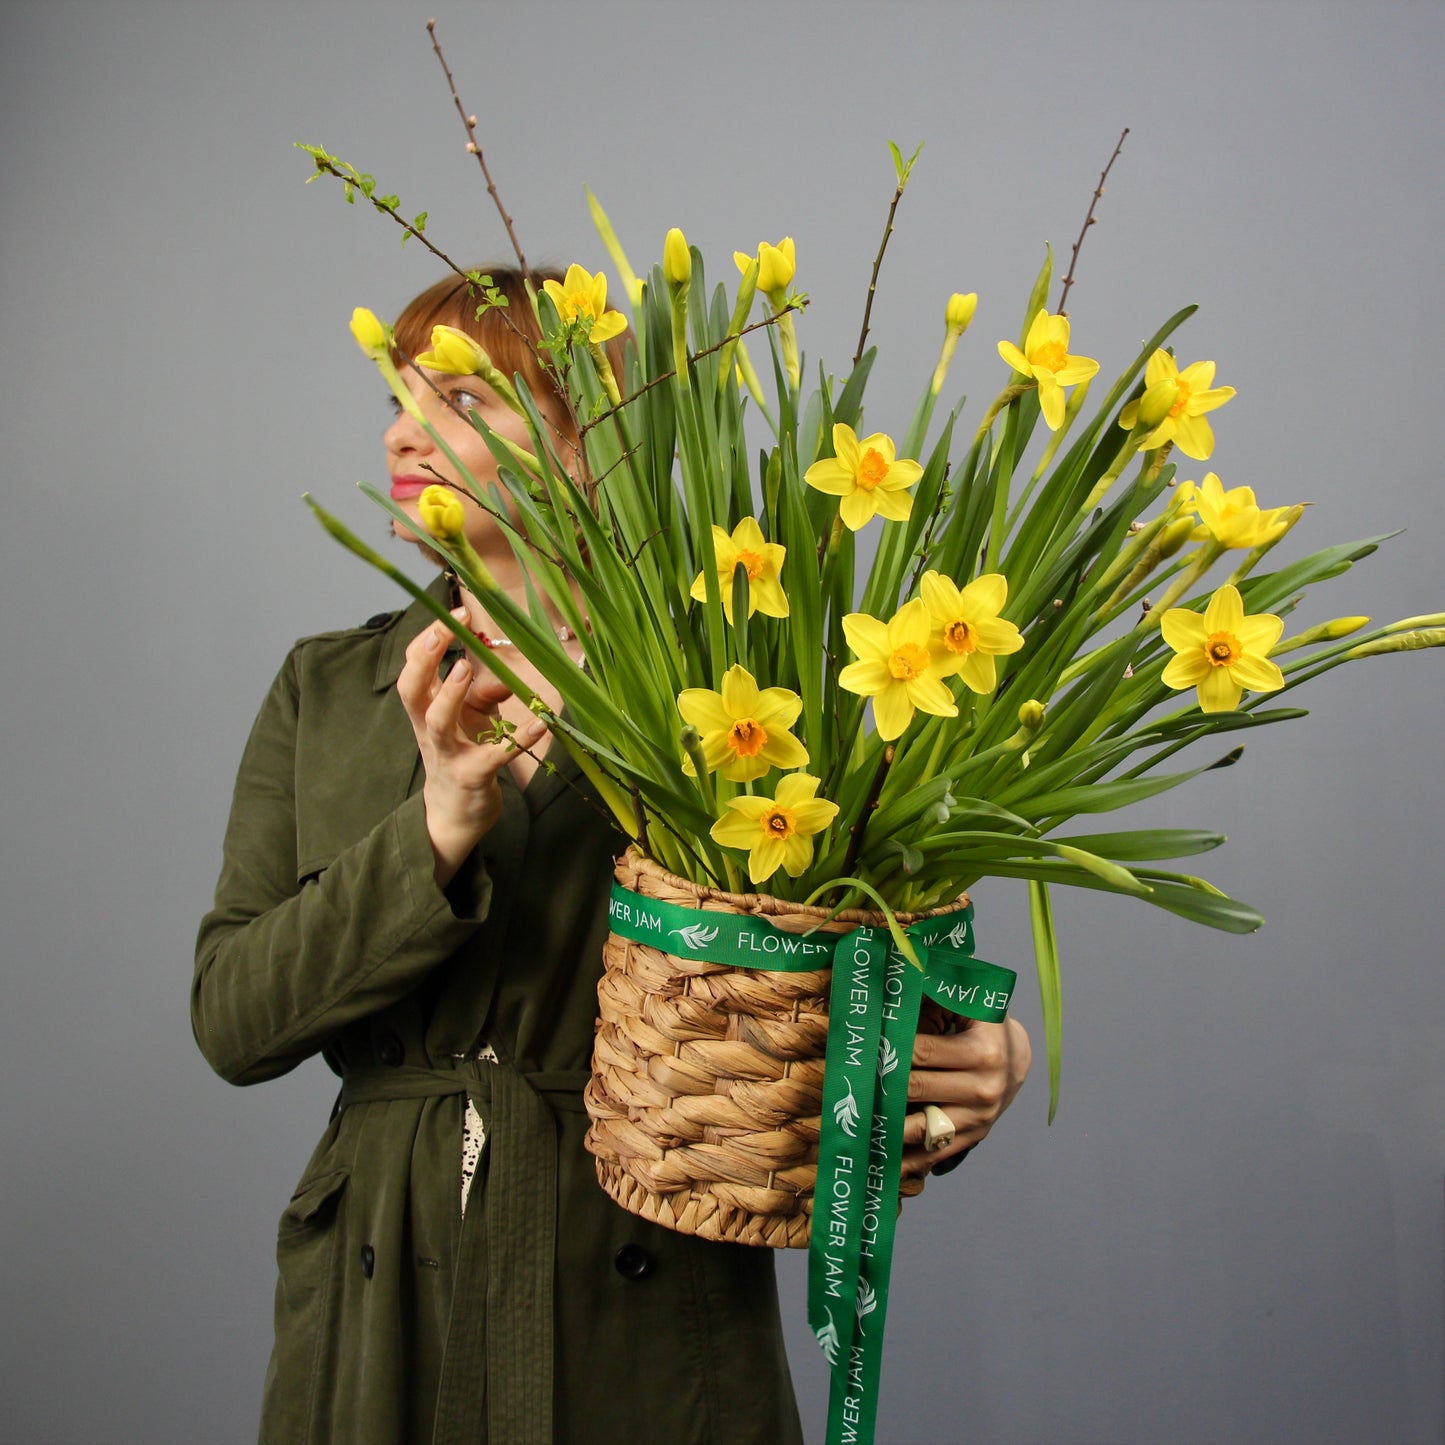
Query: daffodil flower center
[1222, 648]
[1182, 400]
[908, 662]
[747, 737]
[959, 637]
[778, 823]
[577, 303]
[751, 562]
[872, 469]
[1051, 356]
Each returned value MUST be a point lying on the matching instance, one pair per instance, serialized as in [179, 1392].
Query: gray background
[1233, 1232]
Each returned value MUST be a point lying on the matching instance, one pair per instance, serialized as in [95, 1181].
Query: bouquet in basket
[839, 667]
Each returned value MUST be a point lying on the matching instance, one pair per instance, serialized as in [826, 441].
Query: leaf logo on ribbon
[845, 1113]
[867, 1299]
[698, 935]
[828, 1339]
[958, 935]
[887, 1060]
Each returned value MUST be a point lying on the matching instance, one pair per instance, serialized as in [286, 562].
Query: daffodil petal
[867, 678]
[892, 711]
[796, 788]
[1015, 358]
[1183, 629]
[777, 707]
[893, 506]
[984, 596]
[766, 858]
[608, 325]
[797, 854]
[831, 476]
[1225, 612]
[910, 625]
[1188, 669]
[931, 694]
[1258, 674]
[1219, 692]
[783, 750]
[1198, 376]
[866, 635]
[857, 508]
[766, 595]
[1194, 437]
[1257, 634]
[978, 672]
[1051, 401]
[739, 693]
[997, 636]
[845, 446]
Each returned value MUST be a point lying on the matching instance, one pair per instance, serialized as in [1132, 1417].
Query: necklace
[564, 633]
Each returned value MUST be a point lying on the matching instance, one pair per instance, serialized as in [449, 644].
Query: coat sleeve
[283, 964]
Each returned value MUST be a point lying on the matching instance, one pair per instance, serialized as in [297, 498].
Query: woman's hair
[510, 334]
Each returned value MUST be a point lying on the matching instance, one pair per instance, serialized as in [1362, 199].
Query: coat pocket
[307, 1244]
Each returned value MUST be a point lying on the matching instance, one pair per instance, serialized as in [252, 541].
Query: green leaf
[1046, 958]
[1147, 843]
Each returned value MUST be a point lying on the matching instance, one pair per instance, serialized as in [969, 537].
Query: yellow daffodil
[777, 832]
[676, 259]
[1046, 358]
[581, 296]
[896, 667]
[957, 315]
[776, 265]
[371, 335]
[959, 312]
[867, 476]
[760, 559]
[1223, 652]
[455, 353]
[744, 728]
[1183, 423]
[441, 513]
[967, 632]
[1233, 518]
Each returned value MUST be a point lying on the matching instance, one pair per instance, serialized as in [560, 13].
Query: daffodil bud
[1400, 642]
[959, 312]
[1429, 619]
[442, 513]
[1031, 715]
[676, 259]
[1323, 632]
[371, 335]
[1175, 535]
[1156, 403]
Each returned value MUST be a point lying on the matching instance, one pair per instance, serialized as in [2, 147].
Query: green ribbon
[872, 1020]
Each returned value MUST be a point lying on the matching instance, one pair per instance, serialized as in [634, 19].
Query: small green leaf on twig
[901, 167]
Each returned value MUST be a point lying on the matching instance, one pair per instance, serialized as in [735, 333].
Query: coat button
[633, 1262]
[390, 1051]
[368, 1261]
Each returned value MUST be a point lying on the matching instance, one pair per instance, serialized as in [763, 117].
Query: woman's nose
[405, 434]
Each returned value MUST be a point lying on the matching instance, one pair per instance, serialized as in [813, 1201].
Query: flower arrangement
[1033, 640]
[1036, 635]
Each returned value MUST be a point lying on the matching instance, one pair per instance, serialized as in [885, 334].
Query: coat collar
[398, 638]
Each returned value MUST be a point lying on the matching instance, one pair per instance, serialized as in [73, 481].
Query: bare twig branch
[470, 123]
[877, 264]
[1088, 221]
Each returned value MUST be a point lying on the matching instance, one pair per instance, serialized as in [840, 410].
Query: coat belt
[497, 1363]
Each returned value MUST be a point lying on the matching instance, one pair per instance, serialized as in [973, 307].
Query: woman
[426, 908]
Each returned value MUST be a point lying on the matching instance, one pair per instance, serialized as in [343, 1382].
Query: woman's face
[416, 462]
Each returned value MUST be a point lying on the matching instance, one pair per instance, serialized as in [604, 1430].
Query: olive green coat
[549, 1313]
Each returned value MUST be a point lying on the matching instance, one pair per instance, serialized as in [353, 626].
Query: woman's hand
[972, 1076]
[453, 718]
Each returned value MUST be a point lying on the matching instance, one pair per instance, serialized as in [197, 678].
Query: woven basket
[707, 1079]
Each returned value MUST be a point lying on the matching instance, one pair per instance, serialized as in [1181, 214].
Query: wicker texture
[707, 1079]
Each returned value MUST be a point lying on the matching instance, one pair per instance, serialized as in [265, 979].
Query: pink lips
[403, 489]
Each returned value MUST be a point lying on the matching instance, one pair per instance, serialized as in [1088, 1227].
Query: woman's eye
[466, 400]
